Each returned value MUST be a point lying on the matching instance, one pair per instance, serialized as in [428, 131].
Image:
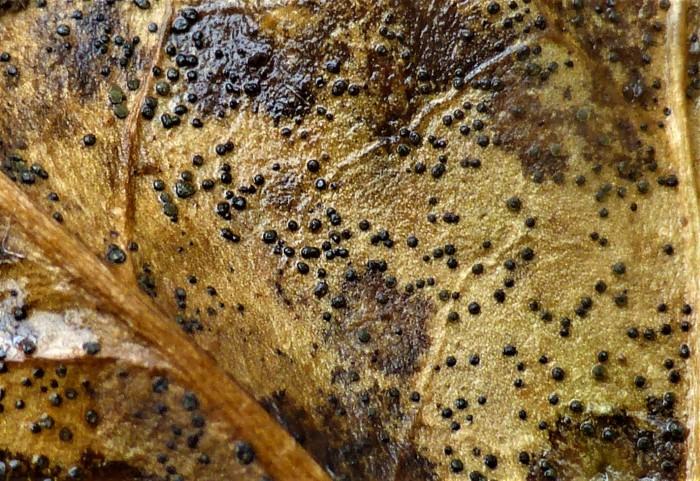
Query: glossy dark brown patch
[352, 445]
[395, 321]
[645, 448]
[238, 60]
[444, 38]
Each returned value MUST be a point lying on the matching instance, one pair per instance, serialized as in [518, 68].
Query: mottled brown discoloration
[74, 62]
[531, 134]
[395, 320]
[352, 445]
[83, 61]
[599, 34]
[574, 454]
[445, 41]
[536, 127]
[239, 49]
[8, 6]
[609, 137]
[39, 467]
[126, 402]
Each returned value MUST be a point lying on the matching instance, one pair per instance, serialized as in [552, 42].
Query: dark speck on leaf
[189, 401]
[92, 348]
[115, 254]
[184, 189]
[245, 453]
[160, 385]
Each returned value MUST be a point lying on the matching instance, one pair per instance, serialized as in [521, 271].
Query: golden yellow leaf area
[358, 240]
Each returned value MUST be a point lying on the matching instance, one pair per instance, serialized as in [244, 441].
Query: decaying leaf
[429, 240]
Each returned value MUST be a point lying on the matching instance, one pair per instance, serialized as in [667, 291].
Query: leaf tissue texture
[387, 240]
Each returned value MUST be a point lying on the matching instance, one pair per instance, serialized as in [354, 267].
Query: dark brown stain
[532, 133]
[9, 6]
[93, 466]
[395, 320]
[441, 39]
[237, 60]
[576, 454]
[598, 37]
[78, 67]
[351, 446]
[74, 62]
[532, 128]
[592, 30]
[284, 74]
[66, 69]
[99, 468]
[612, 138]
[280, 291]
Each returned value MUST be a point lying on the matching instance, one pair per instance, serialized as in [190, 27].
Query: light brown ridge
[679, 141]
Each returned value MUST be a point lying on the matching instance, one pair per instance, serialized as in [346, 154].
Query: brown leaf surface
[446, 239]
